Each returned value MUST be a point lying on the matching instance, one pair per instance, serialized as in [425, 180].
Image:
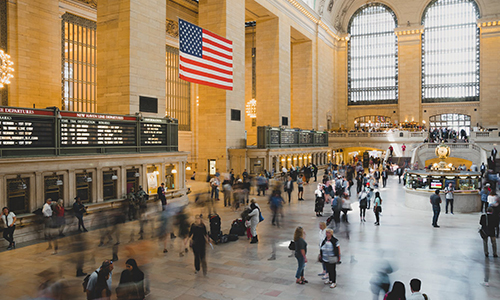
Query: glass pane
[450, 47]
[373, 55]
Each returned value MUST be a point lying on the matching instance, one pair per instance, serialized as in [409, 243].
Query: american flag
[205, 58]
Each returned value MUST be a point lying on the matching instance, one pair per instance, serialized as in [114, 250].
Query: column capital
[488, 27]
[409, 34]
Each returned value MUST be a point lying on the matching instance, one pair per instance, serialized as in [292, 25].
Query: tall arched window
[450, 51]
[373, 56]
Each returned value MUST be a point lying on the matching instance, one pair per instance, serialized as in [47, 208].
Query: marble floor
[449, 260]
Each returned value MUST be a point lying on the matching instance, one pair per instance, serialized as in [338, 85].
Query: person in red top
[391, 150]
[404, 149]
[59, 213]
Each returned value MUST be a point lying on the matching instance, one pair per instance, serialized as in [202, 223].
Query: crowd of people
[334, 190]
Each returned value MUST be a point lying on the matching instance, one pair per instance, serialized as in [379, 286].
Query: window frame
[478, 54]
[349, 60]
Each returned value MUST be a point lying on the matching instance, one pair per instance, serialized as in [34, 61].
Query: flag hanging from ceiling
[205, 58]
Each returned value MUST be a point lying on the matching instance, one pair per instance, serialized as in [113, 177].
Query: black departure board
[96, 130]
[32, 132]
[153, 132]
[26, 128]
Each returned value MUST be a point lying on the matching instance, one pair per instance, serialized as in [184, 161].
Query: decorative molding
[90, 3]
[189, 4]
[172, 28]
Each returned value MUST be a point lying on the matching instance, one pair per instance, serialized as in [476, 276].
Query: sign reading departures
[23, 128]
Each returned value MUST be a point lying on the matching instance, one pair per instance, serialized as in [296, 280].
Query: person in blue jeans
[300, 254]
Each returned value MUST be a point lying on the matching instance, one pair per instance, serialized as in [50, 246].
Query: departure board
[153, 132]
[20, 128]
[81, 129]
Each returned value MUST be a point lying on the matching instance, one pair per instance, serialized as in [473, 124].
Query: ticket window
[170, 176]
[153, 176]
[132, 179]
[84, 186]
[109, 181]
[256, 165]
[18, 191]
[53, 187]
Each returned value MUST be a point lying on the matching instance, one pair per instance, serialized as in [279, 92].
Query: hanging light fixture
[6, 69]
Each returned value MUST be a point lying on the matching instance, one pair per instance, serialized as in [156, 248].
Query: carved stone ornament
[91, 3]
[172, 28]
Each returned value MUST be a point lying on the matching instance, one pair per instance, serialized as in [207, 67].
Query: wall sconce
[174, 171]
[59, 182]
[114, 177]
[137, 174]
[289, 159]
[156, 173]
[188, 168]
[89, 179]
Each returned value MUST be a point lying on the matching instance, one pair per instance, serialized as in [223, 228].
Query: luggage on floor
[215, 225]
[228, 238]
[238, 227]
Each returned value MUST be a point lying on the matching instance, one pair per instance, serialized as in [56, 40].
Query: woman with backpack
[377, 208]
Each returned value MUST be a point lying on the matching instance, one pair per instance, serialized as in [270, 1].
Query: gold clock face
[442, 151]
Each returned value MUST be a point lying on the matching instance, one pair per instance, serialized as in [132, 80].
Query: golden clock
[442, 151]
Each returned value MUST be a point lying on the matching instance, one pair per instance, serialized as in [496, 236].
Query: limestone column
[34, 44]
[339, 116]
[273, 72]
[98, 184]
[131, 45]
[410, 73]
[217, 132]
[302, 86]
[490, 73]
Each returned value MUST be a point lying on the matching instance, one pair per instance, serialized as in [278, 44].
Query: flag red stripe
[218, 61]
[189, 61]
[217, 45]
[217, 37]
[205, 74]
[230, 88]
[217, 53]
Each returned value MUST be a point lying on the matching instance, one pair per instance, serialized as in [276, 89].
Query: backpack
[334, 202]
[85, 282]
[292, 246]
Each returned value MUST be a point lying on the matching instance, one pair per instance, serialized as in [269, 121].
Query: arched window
[373, 56]
[455, 122]
[450, 51]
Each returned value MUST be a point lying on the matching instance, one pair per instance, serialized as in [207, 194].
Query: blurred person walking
[276, 204]
[9, 221]
[59, 214]
[330, 256]
[131, 286]
[377, 207]
[79, 209]
[161, 195]
[199, 239]
[288, 188]
[488, 222]
[300, 254]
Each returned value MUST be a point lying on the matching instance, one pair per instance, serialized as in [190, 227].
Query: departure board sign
[153, 132]
[84, 129]
[26, 128]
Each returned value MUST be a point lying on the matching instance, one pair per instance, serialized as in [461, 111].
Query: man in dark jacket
[385, 174]
[161, 195]
[488, 222]
[436, 208]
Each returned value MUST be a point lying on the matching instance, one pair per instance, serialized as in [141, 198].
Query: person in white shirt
[47, 217]
[415, 285]
[9, 221]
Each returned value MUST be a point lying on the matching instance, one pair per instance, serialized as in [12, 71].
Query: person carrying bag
[330, 255]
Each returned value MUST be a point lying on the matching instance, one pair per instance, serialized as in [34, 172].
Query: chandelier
[5, 69]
